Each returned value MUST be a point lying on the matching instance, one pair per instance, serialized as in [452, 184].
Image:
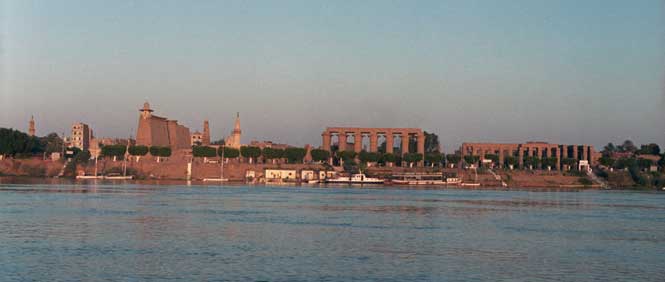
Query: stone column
[325, 144]
[575, 156]
[373, 142]
[584, 153]
[389, 142]
[405, 143]
[357, 141]
[421, 144]
[501, 156]
[421, 148]
[520, 156]
[342, 141]
[558, 158]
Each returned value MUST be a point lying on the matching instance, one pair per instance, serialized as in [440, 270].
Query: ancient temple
[159, 131]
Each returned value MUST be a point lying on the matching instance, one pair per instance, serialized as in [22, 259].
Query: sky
[568, 72]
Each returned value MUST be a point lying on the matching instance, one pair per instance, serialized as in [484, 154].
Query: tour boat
[424, 179]
[355, 179]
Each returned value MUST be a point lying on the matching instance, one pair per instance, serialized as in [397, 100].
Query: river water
[144, 232]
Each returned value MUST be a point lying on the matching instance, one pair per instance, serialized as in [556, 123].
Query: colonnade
[531, 149]
[343, 133]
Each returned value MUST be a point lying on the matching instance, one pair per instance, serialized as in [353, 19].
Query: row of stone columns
[373, 140]
[531, 150]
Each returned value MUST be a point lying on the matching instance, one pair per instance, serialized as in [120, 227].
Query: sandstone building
[81, 136]
[199, 138]
[532, 149]
[159, 131]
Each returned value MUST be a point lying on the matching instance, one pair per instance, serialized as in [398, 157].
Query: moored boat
[358, 178]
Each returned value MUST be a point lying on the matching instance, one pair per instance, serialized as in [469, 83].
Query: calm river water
[106, 232]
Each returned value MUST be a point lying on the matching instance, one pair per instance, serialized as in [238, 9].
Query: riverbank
[177, 170]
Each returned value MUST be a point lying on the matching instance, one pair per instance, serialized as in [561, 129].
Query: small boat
[215, 179]
[89, 177]
[358, 178]
[470, 184]
[119, 177]
[312, 181]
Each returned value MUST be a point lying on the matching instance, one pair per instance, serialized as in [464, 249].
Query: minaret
[235, 137]
[146, 112]
[31, 126]
[206, 133]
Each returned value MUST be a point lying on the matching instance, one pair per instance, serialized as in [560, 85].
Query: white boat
[88, 177]
[356, 179]
[424, 179]
[119, 177]
[312, 181]
[215, 179]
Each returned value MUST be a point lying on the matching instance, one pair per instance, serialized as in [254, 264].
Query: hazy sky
[505, 71]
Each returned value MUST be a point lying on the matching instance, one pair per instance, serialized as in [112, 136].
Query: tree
[628, 146]
[661, 162]
[368, 157]
[16, 143]
[644, 163]
[82, 157]
[346, 155]
[115, 151]
[649, 149]
[320, 155]
[510, 161]
[159, 152]
[165, 152]
[138, 150]
[434, 158]
[493, 157]
[453, 159]
[606, 161]
[389, 158]
[203, 152]
[51, 143]
[625, 163]
[471, 159]
[609, 149]
[412, 158]
[294, 155]
[533, 162]
[229, 153]
[549, 162]
[250, 152]
[431, 143]
[272, 154]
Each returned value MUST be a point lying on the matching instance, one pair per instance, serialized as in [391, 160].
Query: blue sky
[502, 71]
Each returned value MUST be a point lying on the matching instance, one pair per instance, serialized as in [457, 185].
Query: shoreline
[30, 180]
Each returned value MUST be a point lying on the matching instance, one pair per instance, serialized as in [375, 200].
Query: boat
[424, 179]
[358, 178]
[114, 176]
[89, 177]
[312, 181]
[215, 179]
